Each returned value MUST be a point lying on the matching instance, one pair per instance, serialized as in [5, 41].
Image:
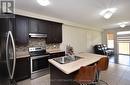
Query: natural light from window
[123, 32]
[123, 39]
[110, 40]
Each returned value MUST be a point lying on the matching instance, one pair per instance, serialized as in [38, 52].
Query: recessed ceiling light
[107, 13]
[123, 24]
[43, 2]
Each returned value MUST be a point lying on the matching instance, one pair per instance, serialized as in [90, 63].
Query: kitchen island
[63, 74]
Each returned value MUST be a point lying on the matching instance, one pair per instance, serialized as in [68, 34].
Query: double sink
[66, 59]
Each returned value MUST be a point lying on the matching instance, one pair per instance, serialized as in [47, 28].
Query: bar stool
[86, 75]
[102, 65]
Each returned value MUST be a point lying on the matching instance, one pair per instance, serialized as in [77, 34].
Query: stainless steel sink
[66, 59]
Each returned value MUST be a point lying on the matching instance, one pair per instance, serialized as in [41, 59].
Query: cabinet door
[21, 30]
[58, 33]
[54, 33]
[37, 26]
[42, 26]
[33, 25]
[22, 69]
[50, 35]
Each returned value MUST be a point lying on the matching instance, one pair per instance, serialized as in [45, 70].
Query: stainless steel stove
[39, 62]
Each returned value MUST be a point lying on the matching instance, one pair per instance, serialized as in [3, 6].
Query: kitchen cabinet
[52, 29]
[22, 69]
[37, 26]
[21, 30]
[57, 54]
[54, 33]
[33, 25]
[42, 26]
[26, 25]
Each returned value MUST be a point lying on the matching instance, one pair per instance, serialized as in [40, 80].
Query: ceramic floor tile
[44, 80]
[124, 82]
[115, 75]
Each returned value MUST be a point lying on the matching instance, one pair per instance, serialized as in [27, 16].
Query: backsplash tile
[34, 42]
[52, 46]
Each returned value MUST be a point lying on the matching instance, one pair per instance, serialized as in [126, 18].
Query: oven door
[38, 63]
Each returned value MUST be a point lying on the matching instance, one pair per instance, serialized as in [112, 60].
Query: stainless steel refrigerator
[7, 51]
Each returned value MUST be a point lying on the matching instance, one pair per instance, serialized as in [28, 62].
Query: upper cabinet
[37, 26]
[26, 25]
[42, 26]
[54, 33]
[21, 30]
[52, 29]
[33, 25]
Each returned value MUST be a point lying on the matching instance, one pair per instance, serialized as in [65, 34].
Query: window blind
[123, 38]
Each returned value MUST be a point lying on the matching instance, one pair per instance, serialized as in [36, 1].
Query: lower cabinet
[22, 69]
[57, 54]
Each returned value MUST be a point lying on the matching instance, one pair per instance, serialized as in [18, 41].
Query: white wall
[81, 40]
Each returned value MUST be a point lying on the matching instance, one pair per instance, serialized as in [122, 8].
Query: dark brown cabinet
[42, 26]
[37, 26]
[54, 33]
[52, 29]
[57, 54]
[26, 25]
[33, 25]
[21, 30]
[22, 69]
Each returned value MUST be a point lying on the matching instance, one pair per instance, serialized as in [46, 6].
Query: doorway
[123, 42]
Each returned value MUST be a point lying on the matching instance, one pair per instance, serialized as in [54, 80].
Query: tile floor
[115, 75]
[44, 80]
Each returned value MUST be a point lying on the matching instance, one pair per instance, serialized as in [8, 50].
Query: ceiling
[84, 12]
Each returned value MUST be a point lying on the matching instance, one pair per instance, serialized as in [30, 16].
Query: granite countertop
[22, 54]
[86, 59]
[54, 50]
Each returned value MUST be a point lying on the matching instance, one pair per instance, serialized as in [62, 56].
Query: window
[123, 39]
[110, 40]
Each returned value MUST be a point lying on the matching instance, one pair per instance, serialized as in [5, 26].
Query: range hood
[37, 35]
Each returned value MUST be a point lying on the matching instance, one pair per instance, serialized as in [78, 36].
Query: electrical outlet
[54, 46]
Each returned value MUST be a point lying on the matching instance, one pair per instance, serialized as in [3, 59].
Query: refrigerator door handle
[14, 63]
[7, 56]
[14, 57]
